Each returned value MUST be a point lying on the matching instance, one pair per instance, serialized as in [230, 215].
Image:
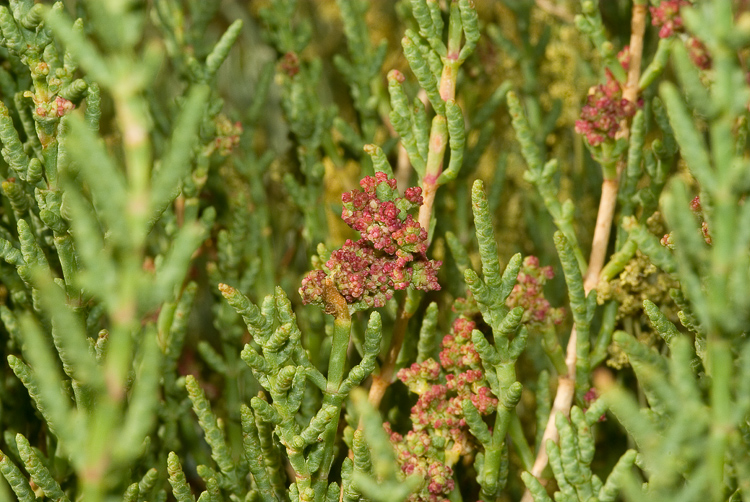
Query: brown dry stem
[382, 380]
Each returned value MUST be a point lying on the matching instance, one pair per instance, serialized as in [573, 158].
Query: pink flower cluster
[290, 64]
[440, 435]
[62, 106]
[385, 223]
[604, 110]
[667, 16]
[458, 349]
[418, 453]
[389, 256]
[529, 294]
[57, 108]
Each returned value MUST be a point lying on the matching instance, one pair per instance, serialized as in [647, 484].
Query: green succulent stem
[336, 305]
[462, 21]
[138, 172]
[342, 325]
[433, 168]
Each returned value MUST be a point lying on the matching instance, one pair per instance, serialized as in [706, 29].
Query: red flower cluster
[439, 435]
[385, 223]
[458, 350]
[667, 15]
[604, 110]
[55, 108]
[389, 256]
[417, 454]
[289, 64]
[529, 294]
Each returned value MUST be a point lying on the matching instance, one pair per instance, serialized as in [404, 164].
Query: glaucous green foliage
[542, 291]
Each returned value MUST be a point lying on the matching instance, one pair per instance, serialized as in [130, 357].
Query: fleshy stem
[336, 305]
[433, 168]
[605, 216]
[439, 132]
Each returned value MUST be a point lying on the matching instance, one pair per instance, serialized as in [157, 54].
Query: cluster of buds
[440, 435]
[390, 254]
[529, 294]
[638, 280]
[290, 64]
[57, 107]
[418, 453]
[227, 136]
[604, 110]
[667, 16]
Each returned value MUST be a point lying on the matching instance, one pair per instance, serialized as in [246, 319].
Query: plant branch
[382, 380]
[610, 186]
[567, 383]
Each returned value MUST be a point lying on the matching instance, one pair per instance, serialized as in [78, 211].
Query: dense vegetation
[375, 251]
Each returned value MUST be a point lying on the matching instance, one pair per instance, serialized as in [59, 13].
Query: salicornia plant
[423, 250]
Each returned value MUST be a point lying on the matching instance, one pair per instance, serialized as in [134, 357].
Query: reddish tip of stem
[334, 303]
[396, 75]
